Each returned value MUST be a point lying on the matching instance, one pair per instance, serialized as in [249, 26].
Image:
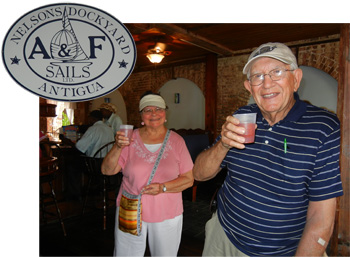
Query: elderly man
[279, 195]
[109, 112]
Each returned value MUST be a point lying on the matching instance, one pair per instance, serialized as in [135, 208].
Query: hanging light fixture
[156, 55]
[155, 58]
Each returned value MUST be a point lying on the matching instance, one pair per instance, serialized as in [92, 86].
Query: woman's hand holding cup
[123, 137]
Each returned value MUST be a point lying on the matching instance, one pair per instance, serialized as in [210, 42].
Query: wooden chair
[196, 141]
[196, 144]
[109, 183]
[48, 170]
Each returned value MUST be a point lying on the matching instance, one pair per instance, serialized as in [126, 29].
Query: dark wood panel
[194, 41]
[342, 224]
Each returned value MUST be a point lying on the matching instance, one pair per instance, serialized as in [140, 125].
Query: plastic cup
[127, 129]
[247, 121]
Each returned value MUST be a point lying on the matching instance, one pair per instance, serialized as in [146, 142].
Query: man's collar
[298, 109]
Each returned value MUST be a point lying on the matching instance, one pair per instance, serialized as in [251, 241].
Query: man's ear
[247, 86]
[298, 75]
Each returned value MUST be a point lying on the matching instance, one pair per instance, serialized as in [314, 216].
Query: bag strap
[159, 157]
[149, 182]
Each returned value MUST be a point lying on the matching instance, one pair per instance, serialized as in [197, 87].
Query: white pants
[163, 238]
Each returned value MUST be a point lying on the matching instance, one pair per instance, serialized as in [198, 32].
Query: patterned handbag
[130, 213]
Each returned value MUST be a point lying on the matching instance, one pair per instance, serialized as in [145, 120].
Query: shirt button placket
[267, 141]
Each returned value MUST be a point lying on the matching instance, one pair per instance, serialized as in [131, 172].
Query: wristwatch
[164, 188]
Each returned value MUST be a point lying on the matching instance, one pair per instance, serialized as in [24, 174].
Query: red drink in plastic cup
[249, 134]
[247, 121]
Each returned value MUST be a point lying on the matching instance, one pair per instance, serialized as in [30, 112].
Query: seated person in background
[96, 136]
[93, 139]
[109, 112]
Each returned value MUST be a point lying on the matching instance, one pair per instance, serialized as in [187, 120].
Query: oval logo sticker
[69, 52]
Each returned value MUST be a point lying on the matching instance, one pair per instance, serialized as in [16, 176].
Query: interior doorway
[186, 104]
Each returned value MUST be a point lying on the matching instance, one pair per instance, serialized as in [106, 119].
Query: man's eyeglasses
[275, 75]
[150, 111]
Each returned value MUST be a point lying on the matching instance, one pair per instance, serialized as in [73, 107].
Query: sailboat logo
[65, 45]
[69, 52]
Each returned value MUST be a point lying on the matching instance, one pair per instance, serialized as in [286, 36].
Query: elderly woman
[162, 205]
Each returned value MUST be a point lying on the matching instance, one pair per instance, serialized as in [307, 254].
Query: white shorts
[163, 238]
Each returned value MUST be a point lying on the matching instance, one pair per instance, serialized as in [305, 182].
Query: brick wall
[322, 56]
[231, 91]
[140, 82]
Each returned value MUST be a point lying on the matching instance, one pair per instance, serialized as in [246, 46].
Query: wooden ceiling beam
[225, 40]
[137, 28]
[183, 35]
[194, 39]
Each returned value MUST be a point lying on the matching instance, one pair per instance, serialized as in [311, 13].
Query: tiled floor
[85, 236]
[196, 214]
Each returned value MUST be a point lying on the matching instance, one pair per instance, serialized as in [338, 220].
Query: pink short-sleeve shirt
[137, 163]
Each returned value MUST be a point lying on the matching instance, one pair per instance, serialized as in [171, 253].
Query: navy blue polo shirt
[263, 202]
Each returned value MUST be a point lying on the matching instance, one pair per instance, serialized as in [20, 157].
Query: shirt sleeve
[85, 141]
[186, 163]
[115, 124]
[326, 182]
